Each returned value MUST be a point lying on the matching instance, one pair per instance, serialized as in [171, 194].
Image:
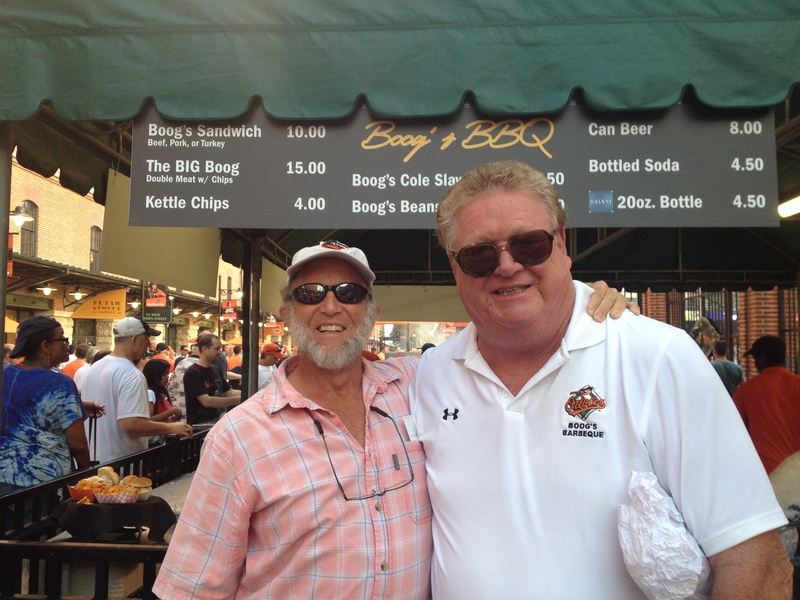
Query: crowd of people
[491, 466]
[52, 388]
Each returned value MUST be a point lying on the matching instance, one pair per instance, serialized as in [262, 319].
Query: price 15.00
[303, 168]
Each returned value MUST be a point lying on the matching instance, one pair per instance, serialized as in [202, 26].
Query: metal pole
[6, 149]
[252, 312]
[219, 307]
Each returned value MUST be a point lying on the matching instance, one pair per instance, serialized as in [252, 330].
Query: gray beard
[326, 358]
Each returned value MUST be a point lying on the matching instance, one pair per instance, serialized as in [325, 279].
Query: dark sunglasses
[528, 249]
[314, 293]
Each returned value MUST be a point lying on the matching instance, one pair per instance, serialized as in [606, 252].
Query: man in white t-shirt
[535, 417]
[270, 354]
[123, 390]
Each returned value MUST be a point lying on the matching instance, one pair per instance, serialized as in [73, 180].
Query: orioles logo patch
[584, 402]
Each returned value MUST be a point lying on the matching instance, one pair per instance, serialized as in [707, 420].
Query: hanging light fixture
[77, 293]
[46, 290]
[239, 293]
[207, 316]
[19, 217]
[134, 304]
[195, 314]
[176, 310]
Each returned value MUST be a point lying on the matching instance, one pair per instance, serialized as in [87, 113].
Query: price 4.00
[750, 201]
[310, 204]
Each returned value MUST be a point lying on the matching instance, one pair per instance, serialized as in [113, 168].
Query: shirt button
[384, 566]
[379, 507]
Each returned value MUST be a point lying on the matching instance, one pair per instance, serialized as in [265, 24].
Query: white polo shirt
[526, 489]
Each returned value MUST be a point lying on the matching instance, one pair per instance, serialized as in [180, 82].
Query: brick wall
[654, 305]
[65, 218]
[759, 314]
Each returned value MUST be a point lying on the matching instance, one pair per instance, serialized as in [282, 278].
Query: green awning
[97, 61]
[100, 60]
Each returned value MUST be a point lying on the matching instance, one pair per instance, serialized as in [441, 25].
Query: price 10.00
[301, 132]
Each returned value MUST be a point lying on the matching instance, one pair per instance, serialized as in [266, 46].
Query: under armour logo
[448, 414]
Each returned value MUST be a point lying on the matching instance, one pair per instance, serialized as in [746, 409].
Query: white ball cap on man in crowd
[131, 326]
[331, 249]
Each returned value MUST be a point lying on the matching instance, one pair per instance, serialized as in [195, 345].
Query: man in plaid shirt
[315, 487]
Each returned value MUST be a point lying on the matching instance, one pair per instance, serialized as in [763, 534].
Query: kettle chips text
[195, 203]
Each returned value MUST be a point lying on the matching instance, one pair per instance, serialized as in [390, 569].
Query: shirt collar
[279, 393]
[582, 332]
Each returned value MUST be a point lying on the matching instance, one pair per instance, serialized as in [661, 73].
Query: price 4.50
[750, 201]
[748, 164]
[310, 204]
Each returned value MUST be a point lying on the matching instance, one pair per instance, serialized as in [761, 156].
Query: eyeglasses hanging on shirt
[395, 460]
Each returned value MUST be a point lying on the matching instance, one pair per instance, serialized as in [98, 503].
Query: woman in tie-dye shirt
[42, 419]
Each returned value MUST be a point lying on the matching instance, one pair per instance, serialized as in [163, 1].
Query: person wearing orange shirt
[235, 360]
[80, 360]
[162, 353]
[769, 404]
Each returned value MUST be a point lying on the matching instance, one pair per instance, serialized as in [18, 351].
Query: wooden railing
[25, 552]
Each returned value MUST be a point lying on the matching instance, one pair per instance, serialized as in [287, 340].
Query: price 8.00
[745, 127]
[750, 201]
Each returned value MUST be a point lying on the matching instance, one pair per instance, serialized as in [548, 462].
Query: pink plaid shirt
[264, 517]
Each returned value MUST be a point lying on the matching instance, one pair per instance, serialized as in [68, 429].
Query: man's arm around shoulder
[756, 569]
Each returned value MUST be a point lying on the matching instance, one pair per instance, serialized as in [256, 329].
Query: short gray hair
[508, 175]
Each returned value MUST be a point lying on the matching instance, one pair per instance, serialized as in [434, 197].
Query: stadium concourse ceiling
[75, 75]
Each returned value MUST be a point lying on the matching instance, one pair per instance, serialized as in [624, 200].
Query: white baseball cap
[130, 326]
[331, 249]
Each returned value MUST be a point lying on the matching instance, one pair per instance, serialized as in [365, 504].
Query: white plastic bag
[661, 554]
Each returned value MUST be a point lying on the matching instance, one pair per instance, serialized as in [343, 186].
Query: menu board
[686, 166]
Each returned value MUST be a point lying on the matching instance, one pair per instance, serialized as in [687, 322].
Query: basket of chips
[118, 494]
[86, 490]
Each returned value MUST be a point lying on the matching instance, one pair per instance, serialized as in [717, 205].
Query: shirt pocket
[416, 493]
